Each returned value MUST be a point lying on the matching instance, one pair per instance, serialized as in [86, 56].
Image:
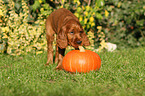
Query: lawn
[122, 74]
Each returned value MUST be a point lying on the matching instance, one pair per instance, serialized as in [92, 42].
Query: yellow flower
[106, 13]
[102, 33]
[80, 19]
[86, 13]
[93, 24]
[85, 21]
[1, 13]
[42, 9]
[83, 7]
[99, 27]
[39, 52]
[75, 1]
[93, 13]
[99, 35]
[91, 19]
[103, 43]
[9, 50]
[76, 14]
[78, 2]
[5, 36]
[0, 20]
[5, 29]
[62, 1]
[40, 1]
[61, 6]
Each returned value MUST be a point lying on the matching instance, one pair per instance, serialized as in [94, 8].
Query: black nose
[79, 42]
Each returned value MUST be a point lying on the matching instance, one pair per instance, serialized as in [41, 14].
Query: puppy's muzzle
[79, 42]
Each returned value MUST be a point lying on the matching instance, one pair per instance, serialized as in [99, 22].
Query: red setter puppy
[69, 32]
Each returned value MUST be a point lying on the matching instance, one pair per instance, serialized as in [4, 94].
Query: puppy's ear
[85, 39]
[62, 38]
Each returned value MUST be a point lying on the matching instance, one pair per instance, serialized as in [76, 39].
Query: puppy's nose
[79, 42]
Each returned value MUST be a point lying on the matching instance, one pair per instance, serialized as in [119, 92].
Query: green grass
[122, 74]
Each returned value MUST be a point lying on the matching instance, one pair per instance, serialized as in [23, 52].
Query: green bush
[125, 25]
[17, 36]
[20, 34]
[122, 21]
[22, 23]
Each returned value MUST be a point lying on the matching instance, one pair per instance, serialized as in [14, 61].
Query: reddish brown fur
[69, 32]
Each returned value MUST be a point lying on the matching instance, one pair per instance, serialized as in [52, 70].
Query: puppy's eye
[71, 32]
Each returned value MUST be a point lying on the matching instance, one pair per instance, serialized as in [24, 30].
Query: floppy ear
[62, 38]
[85, 39]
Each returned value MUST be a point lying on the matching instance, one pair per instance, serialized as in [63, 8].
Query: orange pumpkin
[77, 61]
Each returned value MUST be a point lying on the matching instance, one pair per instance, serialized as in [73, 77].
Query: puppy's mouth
[76, 44]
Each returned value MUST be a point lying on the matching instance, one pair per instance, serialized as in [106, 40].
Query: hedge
[22, 23]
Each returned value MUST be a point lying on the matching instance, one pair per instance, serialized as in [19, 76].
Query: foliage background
[22, 23]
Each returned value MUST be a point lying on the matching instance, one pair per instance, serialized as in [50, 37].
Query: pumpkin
[81, 61]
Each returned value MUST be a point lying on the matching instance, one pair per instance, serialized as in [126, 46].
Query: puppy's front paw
[59, 67]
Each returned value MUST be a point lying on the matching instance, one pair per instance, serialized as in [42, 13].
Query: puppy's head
[72, 34]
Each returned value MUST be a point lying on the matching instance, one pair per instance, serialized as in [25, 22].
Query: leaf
[36, 5]
[140, 22]
[45, 6]
[99, 3]
[119, 4]
[99, 16]
[79, 9]
[17, 5]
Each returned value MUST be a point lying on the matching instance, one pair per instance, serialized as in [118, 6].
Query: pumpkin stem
[81, 49]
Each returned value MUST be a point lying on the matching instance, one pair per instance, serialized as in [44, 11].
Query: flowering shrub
[20, 36]
[17, 36]
[22, 23]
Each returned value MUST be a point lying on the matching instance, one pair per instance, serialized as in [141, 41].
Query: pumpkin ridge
[93, 63]
[77, 53]
[88, 60]
[70, 64]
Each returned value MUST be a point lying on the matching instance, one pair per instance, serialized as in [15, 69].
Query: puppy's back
[59, 17]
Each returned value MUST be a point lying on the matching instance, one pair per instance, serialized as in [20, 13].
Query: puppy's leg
[49, 38]
[60, 58]
[56, 54]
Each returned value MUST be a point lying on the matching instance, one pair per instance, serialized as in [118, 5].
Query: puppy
[69, 32]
